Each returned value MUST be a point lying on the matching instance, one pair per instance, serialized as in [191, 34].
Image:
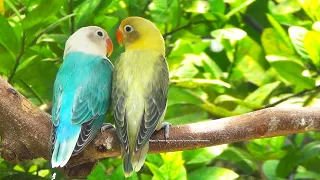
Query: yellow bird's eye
[128, 28]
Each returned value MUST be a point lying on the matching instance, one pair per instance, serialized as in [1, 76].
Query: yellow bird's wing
[155, 104]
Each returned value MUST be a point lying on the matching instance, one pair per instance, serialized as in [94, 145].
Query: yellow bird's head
[137, 33]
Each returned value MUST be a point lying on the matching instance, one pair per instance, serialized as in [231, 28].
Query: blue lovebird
[82, 92]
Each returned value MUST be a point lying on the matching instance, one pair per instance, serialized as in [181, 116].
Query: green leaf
[185, 113]
[98, 172]
[239, 8]
[309, 151]
[307, 175]
[155, 159]
[312, 45]
[8, 39]
[227, 98]
[267, 148]
[217, 6]
[240, 158]
[258, 96]
[37, 75]
[251, 70]
[216, 110]
[178, 95]
[60, 39]
[286, 7]
[41, 13]
[14, 9]
[269, 169]
[210, 66]
[173, 166]
[288, 163]
[157, 174]
[280, 30]
[311, 7]
[216, 173]
[203, 155]
[297, 35]
[84, 11]
[273, 44]
[316, 26]
[197, 82]
[118, 174]
[229, 33]
[198, 7]
[7, 61]
[291, 73]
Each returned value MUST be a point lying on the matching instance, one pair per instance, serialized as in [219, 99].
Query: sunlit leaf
[258, 96]
[284, 37]
[41, 13]
[291, 72]
[227, 98]
[273, 43]
[286, 7]
[198, 6]
[297, 35]
[312, 45]
[229, 33]
[213, 173]
[203, 155]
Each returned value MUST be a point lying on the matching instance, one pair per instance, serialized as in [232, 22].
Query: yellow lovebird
[140, 88]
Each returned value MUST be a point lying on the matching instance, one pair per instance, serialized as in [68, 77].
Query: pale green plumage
[140, 88]
[139, 97]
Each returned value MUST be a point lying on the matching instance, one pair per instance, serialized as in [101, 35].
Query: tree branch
[25, 132]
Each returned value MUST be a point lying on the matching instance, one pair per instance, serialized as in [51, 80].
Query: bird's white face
[90, 40]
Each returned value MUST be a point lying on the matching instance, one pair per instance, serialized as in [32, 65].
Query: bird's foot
[166, 127]
[106, 126]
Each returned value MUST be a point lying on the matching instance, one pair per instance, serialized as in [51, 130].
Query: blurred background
[226, 57]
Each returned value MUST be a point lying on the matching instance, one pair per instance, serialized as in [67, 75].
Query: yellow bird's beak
[119, 36]
[109, 47]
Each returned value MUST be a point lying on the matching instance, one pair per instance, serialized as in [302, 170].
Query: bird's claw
[166, 127]
[106, 126]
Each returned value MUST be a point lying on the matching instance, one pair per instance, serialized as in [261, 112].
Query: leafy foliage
[226, 57]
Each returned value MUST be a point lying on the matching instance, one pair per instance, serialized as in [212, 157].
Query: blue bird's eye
[99, 33]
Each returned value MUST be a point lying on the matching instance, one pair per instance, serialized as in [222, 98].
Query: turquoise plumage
[80, 102]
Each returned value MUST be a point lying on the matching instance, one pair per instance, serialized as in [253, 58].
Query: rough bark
[25, 132]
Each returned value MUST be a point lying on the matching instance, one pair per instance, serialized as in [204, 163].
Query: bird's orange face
[128, 32]
[139, 33]
[119, 36]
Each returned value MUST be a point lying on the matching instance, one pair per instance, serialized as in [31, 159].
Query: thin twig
[23, 39]
[49, 28]
[299, 94]
[32, 91]
[186, 26]
[253, 23]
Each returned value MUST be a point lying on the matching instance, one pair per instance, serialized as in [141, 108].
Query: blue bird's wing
[91, 102]
[81, 99]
